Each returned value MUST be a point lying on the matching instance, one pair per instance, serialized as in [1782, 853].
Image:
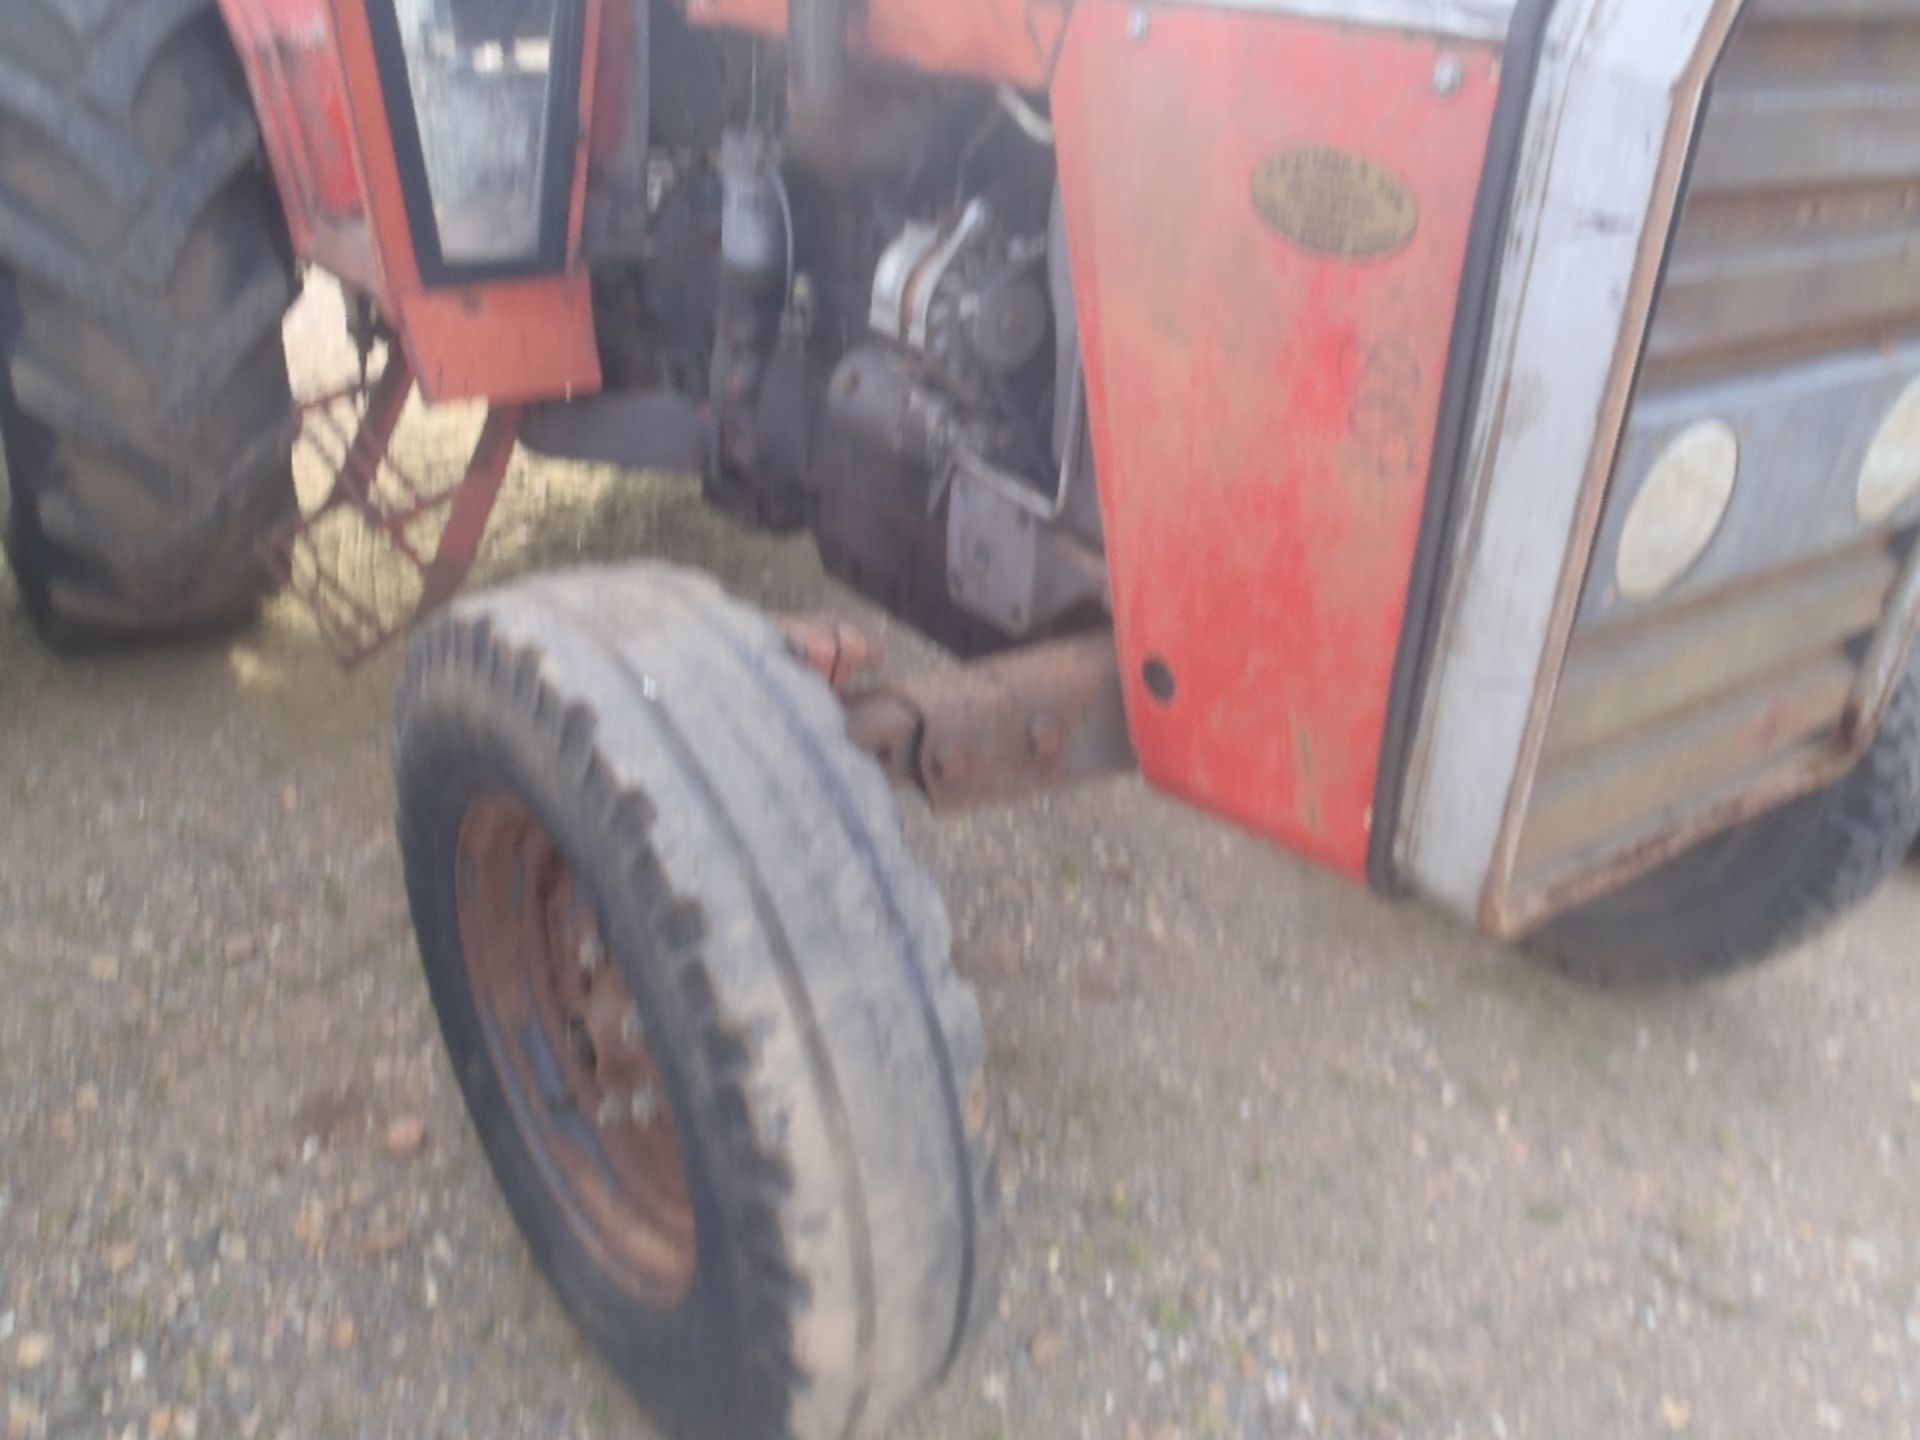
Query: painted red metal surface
[1263, 413]
[613, 79]
[310, 65]
[1010, 40]
[286, 48]
[506, 341]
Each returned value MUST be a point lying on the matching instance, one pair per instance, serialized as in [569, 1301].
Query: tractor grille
[1670, 713]
[1790, 310]
[1798, 235]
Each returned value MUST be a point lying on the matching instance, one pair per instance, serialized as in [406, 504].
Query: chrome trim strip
[1597, 185]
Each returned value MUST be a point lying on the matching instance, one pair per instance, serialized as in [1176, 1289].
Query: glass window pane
[479, 71]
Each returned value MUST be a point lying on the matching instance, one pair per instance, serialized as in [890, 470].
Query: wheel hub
[569, 1042]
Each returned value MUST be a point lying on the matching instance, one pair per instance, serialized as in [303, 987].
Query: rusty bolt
[1043, 736]
[949, 762]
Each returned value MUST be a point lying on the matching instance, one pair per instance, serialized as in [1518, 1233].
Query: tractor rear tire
[1770, 883]
[700, 1001]
[144, 276]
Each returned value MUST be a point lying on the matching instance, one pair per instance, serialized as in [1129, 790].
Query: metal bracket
[1028, 720]
[384, 547]
[1017, 570]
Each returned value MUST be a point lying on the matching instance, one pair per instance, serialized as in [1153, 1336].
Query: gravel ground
[1283, 1160]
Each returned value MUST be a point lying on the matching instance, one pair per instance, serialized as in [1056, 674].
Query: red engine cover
[1268, 220]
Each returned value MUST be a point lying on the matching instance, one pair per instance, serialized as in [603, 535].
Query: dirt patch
[1284, 1160]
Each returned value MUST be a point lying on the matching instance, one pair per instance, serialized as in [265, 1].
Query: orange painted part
[1014, 41]
[590, 119]
[507, 341]
[1263, 415]
[310, 66]
[293, 72]
[612, 84]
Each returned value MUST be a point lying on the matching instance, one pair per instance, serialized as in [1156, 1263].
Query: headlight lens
[1678, 510]
[1891, 475]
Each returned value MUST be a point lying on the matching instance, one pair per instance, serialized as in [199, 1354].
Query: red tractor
[1474, 443]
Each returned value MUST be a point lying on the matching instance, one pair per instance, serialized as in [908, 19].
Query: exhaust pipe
[817, 48]
[817, 52]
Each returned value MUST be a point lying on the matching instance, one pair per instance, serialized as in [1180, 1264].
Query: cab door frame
[324, 88]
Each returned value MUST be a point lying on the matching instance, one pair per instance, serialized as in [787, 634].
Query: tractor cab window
[483, 123]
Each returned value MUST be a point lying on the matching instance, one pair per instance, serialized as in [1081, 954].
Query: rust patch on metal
[1029, 720]
[838, 651]
[1336, 202]
[1813, 767]
[1303, 766]
[569, 1043]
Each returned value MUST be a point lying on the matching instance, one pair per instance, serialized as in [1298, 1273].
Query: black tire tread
[782, 769]
[509, 677]
[139, 503]
[816, 722]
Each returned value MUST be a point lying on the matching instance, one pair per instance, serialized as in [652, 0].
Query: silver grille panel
[1667, 714]
[1800, 226]
[1790, 309]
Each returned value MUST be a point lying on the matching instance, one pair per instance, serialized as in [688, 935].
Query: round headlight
[1891, 475]
[1678, 510]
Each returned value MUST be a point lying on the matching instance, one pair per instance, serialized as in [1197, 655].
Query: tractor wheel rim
[568, 1042]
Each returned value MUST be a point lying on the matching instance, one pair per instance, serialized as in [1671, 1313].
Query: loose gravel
[1283, 1160]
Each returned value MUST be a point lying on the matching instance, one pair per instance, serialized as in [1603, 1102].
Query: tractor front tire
[144, 276]
[700, 1002]
[1770, 883]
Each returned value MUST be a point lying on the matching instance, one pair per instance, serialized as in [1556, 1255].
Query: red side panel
[293, 70]
[1264, 407]
[1010, 40]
